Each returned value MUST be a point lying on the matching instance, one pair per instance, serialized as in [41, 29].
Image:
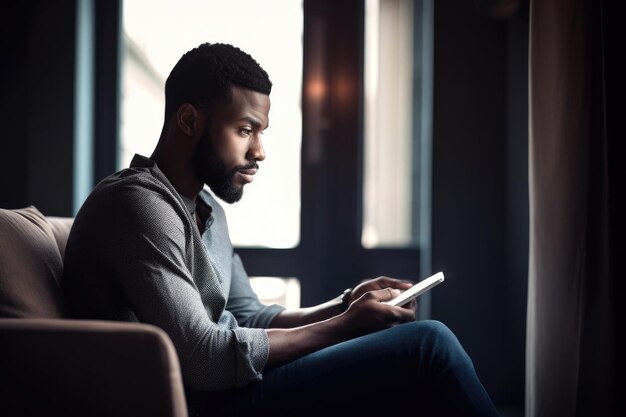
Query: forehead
[245, 104]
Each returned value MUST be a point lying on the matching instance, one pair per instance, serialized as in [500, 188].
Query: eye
[245, 131]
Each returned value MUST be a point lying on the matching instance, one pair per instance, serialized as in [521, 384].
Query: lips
[250, 171]
[247, 174]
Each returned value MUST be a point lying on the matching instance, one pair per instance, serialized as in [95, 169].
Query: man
[151, 244]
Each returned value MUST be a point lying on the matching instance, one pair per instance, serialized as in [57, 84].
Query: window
[157, 33]
[397, 130]
[272, 290]
[344, 192]
[397, 124]
[389, 174]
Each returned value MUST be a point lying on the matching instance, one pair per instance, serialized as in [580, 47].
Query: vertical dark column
[14, 117]
[344, 144]
[333, 56]
[312, 256]
[613, 34]
[51, 71]
[469, 220]
[38, 105]
[107, 86]
[517, 206]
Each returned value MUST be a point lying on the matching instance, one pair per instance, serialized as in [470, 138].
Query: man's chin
[233, 200]
[230, 195]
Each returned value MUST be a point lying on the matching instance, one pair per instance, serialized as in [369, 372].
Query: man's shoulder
[140, 178]
[134, 184]
[131, 195]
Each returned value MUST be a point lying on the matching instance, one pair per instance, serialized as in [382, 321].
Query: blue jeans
[417, 368]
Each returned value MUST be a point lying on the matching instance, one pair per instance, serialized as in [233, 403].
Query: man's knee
[443, 343]
[436, 331]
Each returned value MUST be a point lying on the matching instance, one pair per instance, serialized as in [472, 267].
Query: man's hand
[380, 283]
[368, 313]
[301, 331]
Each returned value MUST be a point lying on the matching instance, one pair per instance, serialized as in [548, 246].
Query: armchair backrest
[31, 263]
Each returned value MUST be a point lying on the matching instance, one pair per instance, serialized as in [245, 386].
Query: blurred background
[398, 142]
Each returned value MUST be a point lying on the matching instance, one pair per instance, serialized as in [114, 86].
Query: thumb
[386, 294]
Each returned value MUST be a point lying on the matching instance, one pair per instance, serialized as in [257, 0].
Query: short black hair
[204, 76]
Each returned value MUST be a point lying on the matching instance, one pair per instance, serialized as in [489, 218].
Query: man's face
[226, 156]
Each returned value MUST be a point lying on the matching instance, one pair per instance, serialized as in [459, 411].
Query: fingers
[385, 294]
[401, 314]
[380, 283]
[411, 305]
[372, 304]
[385, 282]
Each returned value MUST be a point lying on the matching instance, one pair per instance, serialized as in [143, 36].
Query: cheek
[231, 149]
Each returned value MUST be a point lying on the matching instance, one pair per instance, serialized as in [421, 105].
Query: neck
[177, 168]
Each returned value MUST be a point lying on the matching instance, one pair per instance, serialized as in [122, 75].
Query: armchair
[52, 364]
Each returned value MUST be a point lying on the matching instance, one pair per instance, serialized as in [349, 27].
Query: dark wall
[37, 123]
[516, 279]
[480, 188]
[14, 95]
[37, 105]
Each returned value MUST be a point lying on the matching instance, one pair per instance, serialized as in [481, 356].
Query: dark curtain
[575, 346]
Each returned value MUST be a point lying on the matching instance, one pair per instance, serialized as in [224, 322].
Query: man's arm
[244, 304]
[365, 315]
[334, 307]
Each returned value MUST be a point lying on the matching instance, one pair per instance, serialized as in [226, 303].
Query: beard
[210, 169]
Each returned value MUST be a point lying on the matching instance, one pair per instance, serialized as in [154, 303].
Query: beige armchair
[51, 364]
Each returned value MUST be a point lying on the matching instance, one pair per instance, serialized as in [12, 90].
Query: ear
[187, 119]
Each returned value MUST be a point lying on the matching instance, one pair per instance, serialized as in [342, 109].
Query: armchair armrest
[88, 368]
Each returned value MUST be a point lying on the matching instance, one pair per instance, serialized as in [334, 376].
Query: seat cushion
[30, 266]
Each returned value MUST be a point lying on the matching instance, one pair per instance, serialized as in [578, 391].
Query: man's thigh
[393, 363]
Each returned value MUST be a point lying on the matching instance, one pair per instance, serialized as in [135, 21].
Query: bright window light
[389, 189]
[157, 33]
[274, 290]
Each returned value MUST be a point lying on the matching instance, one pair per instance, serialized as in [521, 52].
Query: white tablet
[416, 290]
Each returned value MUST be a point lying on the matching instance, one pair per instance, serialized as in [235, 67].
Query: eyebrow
[254, 122]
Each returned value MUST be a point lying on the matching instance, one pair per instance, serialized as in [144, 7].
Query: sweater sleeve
[244, 304]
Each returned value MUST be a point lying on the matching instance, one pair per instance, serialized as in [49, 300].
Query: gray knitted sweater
[135, 254]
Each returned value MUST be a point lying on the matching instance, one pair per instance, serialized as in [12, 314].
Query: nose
[256, 151]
